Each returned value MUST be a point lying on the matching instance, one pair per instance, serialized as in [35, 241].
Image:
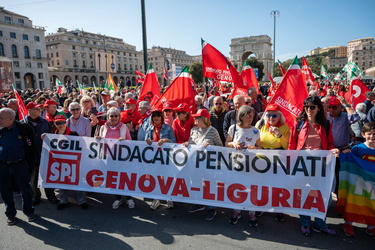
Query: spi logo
[63, 168]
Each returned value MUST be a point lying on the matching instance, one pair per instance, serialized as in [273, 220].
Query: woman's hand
[345, 151]
[336, 152]
[205, 144]
[186, 144]
[162, 141]
[43, 136]
[98, 137]
[149, 141]
[236, 145]
[274, 130]
[121, 138]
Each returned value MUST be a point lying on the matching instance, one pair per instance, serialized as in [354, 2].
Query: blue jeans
[21, 174]
[306, 221]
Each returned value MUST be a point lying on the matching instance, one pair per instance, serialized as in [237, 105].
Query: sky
[302, 25]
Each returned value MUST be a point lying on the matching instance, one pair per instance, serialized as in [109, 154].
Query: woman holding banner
[161, 133]
[241, 136]
[203, 134]
[274, 134]
[183, 123]
[313, 132]
[114, 129]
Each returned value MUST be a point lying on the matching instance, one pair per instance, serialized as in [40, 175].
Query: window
[13, 35]
[40, 75]
[82, 48]
[74, 55]
[38, 54]
[39, 65]
[1, 49]
[57, 54]
[14, 51]
[25, 37]
[75, 63]
[51, 55]
[21, 21]
[16, 64]
[1, 33]
[36, 39]
[26, 52]
[17, 75]
[66, 62]
[28, 64]
[83, 64]
[90, 56]
[73, 47]
[58, 62]
[92, 64]
[7, 19]
[83, 55]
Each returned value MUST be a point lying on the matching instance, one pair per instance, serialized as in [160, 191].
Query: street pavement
[101, 227]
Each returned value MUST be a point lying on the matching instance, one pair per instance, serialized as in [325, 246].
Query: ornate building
[88, 57]
[259, 46]
[24, 44]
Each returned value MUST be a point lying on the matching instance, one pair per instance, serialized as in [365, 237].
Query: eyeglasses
[218, 103]
[247, 102]
[181, 113]
[309, 107]
[113, 116]
[86, 101]
[332, 107]
[77, 109]
[156, 115]
[60, 123]
[272, 115]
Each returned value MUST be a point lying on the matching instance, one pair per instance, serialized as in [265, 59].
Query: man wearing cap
[39, 126]
[341, 122]
[130, 117]
[51, 108]
[217, 113]
[17, 151]
[106, 97]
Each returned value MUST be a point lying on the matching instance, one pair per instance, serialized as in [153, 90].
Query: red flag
[356, 93]
[273, 87]
[307, 72]
[179, 91]
[291, 93]
[150, 89]
[165, 74]
[22, 111]
[249, 76]
[281, 68]
[217, 66]
[140, 77]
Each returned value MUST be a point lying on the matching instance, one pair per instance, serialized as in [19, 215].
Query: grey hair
[144, 104]
[361, 107]
[113, 111]
[113, 103]
[73, 104]
[14, 101]
[129, 96]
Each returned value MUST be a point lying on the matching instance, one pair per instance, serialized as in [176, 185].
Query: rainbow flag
[356, 199]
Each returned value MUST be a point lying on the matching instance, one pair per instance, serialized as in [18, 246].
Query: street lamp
[144, 35]
[274, 14]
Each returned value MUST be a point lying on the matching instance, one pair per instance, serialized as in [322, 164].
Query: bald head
[7, 117]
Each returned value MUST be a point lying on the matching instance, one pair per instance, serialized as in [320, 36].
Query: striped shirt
[212, 137]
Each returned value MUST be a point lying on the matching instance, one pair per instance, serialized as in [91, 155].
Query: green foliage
[285, 65]
[254, 63]
[334, 70]
[196, 72]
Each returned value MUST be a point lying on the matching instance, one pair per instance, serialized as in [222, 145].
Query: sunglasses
[309, 107]
[115, 116]
[77, 109]
[60, 123]
[156, 115]
[272, 115]
[332, 107]
[218, 103]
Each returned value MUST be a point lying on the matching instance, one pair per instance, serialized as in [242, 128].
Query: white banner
[284, 181]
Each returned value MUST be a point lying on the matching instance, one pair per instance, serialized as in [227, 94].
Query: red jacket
[182, 132]
[297, 138]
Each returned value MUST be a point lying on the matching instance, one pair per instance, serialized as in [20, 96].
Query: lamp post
[144, 35]
[274, 14]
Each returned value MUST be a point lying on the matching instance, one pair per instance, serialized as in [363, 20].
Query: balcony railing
[40, 58]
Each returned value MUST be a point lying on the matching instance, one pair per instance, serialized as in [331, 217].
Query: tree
[196, 72]
[286, 64]
[254, 63]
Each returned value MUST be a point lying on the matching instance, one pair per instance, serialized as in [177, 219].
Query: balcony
[42, 58]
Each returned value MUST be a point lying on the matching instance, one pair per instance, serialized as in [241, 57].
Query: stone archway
[29, 79]
[67, 79]
[85, 80]
[93, 80]
[133, 81]
[115, 79]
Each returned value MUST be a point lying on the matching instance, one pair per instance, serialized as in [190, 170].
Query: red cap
[32, 105]
[157, 110]
[59, 118]
[272, 107]
[203, 113]
[49, 102]
[183, 107]
[167, 106]
[333, 101]
[131, 101]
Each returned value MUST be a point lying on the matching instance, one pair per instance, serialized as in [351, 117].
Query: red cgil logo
[63, 168]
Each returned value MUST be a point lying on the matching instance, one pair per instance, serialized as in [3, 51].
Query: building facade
[86, 57]
[336, 62]
[260, 46]
[364, 55]
[172, 59]
[340, 51]
[24, 44]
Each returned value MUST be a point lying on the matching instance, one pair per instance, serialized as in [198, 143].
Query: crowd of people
[327, 122]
